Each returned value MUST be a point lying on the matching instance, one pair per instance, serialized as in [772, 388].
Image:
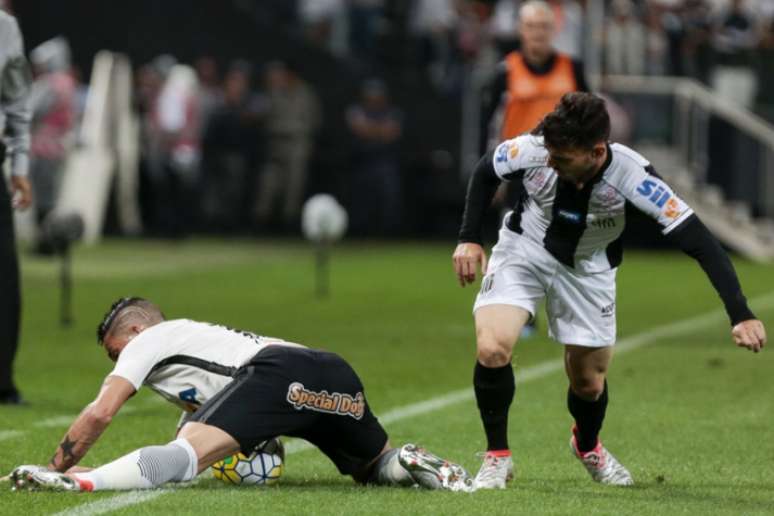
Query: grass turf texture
[689, 415]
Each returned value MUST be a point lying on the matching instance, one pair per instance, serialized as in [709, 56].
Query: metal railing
[719, 142]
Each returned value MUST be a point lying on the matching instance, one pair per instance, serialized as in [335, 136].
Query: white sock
[145, 468]
[389, 472]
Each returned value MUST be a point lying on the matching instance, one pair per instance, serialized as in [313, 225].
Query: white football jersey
[187, 362]
[582, 228]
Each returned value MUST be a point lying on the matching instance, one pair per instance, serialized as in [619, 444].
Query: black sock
[494, 388]
[588, 418]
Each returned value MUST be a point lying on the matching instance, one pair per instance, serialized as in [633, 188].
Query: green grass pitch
[690, 414]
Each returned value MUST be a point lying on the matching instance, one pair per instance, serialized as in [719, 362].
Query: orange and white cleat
[601, 465]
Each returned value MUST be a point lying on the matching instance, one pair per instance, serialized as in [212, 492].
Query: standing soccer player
[562, 241]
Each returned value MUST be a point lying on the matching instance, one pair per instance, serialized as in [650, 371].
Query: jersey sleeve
[136, 360]
[653, 196]
[514, 156]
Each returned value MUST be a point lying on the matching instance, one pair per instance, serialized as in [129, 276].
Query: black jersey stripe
[212, 367]
[514, 221]
[568, 216]
[568, 221]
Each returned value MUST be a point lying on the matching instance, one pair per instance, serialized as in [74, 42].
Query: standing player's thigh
[513, 278]
[581, 308]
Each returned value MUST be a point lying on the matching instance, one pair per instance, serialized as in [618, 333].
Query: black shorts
[299, 392]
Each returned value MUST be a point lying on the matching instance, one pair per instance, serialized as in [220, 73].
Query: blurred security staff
[15, 82]
[530, 82]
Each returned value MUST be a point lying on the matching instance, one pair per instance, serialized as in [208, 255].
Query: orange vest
[530, 96]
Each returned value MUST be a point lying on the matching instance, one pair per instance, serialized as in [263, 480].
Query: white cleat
[601, 465]
[38, 478]
[433, 472]
[494, 472]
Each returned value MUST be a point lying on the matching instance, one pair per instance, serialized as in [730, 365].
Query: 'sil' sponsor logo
[331, 403]
[655, 192]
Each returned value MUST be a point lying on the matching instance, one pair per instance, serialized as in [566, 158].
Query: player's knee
[589, 389]
[492, 352]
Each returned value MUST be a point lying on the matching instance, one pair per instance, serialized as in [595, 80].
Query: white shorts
[580, 307]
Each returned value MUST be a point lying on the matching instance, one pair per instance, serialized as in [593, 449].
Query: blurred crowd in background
[232, 145]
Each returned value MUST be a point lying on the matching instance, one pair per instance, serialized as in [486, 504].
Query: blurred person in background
[324, 23]
[54, 111]
[293, 116]
[696, 40]
[657, 55]
[231, 150]
[734, 40]
[568, 27]
[365, 17]
[525, 87]
[376, 127]
[210, 89]
[15, 80]
[149, 80]
[176, 173]
[433, 24]
[765, 70]
[529, 82]
[625, 40]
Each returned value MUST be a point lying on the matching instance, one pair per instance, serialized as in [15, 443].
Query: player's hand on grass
[749, 334]
[467, 256]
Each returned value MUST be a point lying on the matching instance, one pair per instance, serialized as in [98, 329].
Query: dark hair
[579, 120]
[151, 312]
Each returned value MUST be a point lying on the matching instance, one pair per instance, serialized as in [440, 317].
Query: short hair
[536, 6]
[127, 311]
[579, 120]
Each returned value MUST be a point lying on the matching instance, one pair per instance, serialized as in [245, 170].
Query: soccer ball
[264, 466]
[323, 219]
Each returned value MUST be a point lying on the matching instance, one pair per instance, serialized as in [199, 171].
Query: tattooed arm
[91, 422]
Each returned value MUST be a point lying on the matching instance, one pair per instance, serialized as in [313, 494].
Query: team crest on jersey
[331, 403]
[536, 179]
[607, 197]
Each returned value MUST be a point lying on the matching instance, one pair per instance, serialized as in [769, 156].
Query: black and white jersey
[582, 228]
[187, 362]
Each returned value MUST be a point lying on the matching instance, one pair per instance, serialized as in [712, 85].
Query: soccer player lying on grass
[562, 241]
[238, 390]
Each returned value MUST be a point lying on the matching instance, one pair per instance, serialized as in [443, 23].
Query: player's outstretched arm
[695, 239]
[91, 422]
[750, 334]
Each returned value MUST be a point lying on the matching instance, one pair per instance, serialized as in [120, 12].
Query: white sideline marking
[523, 375]
[112, 503]
[10, 434]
